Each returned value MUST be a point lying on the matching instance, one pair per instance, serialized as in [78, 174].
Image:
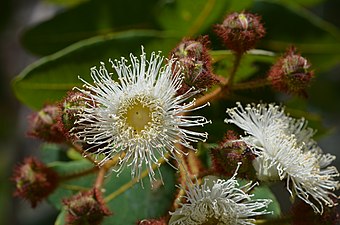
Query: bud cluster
[53, 123]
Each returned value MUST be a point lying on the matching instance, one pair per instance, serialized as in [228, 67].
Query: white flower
[138, 118]
[286, 150]
[218, 202]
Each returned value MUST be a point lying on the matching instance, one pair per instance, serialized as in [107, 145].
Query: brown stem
[80, 174]
[100, 177]
[208, 97]
[102, 171]
[252, 84]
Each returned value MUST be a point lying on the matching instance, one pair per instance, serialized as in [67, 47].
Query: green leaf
[139, 203]
[66, 3]
[52, 152]
[72, 167]
[264, 192]
[48, 79]
[302, 2]
[92, 18]
[69, 187]
[61, 218]
[189, 18]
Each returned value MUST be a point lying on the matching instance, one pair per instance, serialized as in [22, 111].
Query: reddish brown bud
[226, 156]
[303, 214]
[291, 73]
[240, 31]
[70, 106]
[44, 124]
[160, 221]
[86, 208]
[195, 64]
[34, 180]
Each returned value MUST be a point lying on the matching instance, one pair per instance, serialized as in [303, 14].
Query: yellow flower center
[138, 116]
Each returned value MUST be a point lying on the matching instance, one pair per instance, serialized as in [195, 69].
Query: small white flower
[286, 150]
[139, 117]
[218, 202]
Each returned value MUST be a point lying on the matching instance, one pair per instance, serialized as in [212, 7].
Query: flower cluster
[285, 150]
[138, 115]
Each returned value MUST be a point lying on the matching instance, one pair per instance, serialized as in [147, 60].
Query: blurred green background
[47, 44]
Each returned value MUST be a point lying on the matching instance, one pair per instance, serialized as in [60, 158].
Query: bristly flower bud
[160, 221]
[291, 73]
[44, 124]
[70, 107]
[303, 214]
[86, 208]
[229, 153]
[240, 31]
[195, 63]
[34, 180]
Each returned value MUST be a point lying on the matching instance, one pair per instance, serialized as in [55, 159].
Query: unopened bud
[229, 153]
[195, 64]
[291, 73]
[240, 31]
[44, 124]
[86, 208]
[34, 181]
[70, 107]
[160, 221]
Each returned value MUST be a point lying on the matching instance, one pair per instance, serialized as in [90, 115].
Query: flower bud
[34, 180]
[86, 208]
[229, 153]
[160, 221]
[291, 73]
[240, 31]
[70, 107]
[44, 124]
[195, 64]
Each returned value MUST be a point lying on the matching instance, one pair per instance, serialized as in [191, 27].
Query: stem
[73, 187]
[252, 84]
[132, 182]
[100, 178]
[80, 174]
[208, 97]
[237, 61]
